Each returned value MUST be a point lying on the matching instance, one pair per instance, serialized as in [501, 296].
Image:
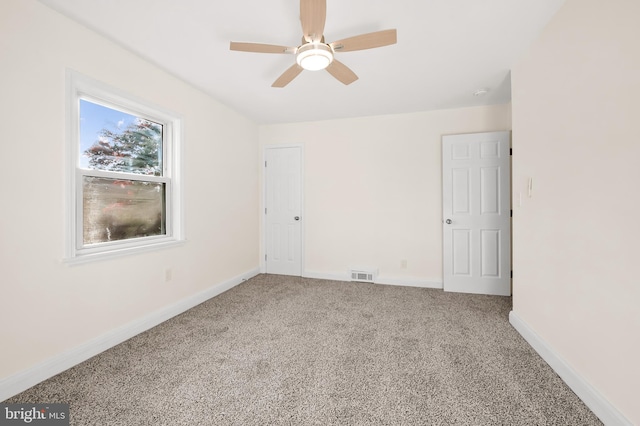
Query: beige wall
[575, 132]
[47, 307]
[373, 189]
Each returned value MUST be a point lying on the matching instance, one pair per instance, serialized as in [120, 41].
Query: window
[123, 174]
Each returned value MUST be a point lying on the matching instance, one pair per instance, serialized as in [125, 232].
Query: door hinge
[510, 214]
[511, 274]
[265, 210]
[265, 164]
[510, 151]
[265, 257]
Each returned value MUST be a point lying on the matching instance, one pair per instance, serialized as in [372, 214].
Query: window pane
[116, 141]
[122, 209]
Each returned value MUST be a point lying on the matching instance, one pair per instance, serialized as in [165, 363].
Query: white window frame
[82, 87]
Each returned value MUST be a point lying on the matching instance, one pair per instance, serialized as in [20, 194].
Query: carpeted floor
[295, 351]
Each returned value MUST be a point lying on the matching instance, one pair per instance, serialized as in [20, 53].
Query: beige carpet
[294, 351]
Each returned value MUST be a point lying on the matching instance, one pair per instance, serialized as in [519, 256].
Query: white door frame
[263, 206]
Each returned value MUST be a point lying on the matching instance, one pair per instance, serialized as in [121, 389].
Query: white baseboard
[409, 282]
[597, 403]
[326, 276]
[384, 280]
[21, 381]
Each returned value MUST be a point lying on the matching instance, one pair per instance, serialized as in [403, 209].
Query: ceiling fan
[314, 54]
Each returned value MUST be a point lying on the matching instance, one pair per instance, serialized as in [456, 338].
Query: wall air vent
[363, 275]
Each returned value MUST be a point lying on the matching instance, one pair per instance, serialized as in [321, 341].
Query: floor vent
[363, 275]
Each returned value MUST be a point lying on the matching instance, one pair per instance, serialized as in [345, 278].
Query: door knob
[297, 218]
[448, 221]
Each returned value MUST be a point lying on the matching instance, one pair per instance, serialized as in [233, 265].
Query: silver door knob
[448, 221]
[297, 218]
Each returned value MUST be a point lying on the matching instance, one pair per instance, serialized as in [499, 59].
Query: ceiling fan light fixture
[314, 56]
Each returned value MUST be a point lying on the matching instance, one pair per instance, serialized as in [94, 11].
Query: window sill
[111, 254]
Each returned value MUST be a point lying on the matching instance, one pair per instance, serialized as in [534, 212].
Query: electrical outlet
[168, 274]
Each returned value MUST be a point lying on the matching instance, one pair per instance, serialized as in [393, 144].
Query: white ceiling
[446, 50]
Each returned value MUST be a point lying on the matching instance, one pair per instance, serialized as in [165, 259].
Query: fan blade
[313, 14]
[286, 77]
[261, 48]
[342, 72]
[366, 41]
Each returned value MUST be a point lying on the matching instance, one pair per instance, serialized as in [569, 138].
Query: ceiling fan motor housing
[314, 56]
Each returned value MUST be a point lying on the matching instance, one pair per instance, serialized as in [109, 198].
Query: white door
[476, 213]
[283, 210]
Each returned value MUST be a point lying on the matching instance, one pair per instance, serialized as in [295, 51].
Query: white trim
[384, 281]
[326, 276]
[21, 381]
[593, 399]
[409, 282]
[121, 252]
[263, 220]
